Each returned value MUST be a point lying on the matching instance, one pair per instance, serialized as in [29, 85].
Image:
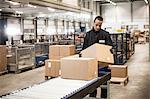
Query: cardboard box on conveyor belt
[79, 68]
[101, 52]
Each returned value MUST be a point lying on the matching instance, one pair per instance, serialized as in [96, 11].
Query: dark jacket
[100, 36]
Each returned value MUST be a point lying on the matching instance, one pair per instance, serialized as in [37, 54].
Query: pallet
[20, 70]
[24, 69]
[117, 80]
[3, 72]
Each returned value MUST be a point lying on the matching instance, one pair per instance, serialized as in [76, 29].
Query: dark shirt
[100, 36]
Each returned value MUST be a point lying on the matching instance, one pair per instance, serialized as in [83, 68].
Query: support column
[131, 11]
[149, 32]
[35, 27]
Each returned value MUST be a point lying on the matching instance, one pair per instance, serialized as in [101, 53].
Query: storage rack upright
[119, 43]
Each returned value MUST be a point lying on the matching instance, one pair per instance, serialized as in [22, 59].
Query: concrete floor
[138, 86]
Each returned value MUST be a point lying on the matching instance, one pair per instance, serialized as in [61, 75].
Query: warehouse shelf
[123, 46]
[21, 58]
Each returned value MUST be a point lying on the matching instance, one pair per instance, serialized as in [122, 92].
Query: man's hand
[112, 51]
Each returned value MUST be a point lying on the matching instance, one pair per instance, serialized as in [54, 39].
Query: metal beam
[54, 4]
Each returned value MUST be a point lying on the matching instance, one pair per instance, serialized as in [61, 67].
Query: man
[97, 35]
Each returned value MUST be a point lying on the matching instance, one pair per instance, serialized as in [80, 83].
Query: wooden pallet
[3, 72]
[117, 80]
[24, 69]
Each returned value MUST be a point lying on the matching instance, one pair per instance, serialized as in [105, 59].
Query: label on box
[49, 64]
[102, 41]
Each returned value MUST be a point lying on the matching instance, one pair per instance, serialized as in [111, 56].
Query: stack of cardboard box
[142, 38]
[56, 52]
[3, 58]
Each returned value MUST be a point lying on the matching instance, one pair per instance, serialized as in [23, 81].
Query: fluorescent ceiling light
[69, 13]
[50, 9]
[146, 1]
[13, 3]
[14, 29]
[111, 2]
[32, 6]
[19, 12]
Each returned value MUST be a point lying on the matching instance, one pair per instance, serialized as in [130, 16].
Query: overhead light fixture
[32, 6]
[50, 9]
[69, 13]
[14, 29]
[146, 1]
[13, 3]
[113, 3]
[19, 12]
[41, 14]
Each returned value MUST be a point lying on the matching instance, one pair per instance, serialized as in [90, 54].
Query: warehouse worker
[98, 35]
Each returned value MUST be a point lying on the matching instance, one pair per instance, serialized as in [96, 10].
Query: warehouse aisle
[137, 88]
[139, 82]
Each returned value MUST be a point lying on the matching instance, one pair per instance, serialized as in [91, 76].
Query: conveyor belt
[59, 88]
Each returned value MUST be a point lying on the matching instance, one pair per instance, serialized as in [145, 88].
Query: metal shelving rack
[41, 53]
[21, 58]
[130, 46]
[119, 45]
[123, 45]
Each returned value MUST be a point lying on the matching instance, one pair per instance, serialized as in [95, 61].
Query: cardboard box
[54, 57]
[3, 58]
[119, 71]
[67, 50]
[54, 52]
[79, 68]
[101, 52]
[52, 68]
[59, 51]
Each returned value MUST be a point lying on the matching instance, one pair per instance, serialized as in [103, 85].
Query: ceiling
[125, 0]
[29, 11]
[117, 1]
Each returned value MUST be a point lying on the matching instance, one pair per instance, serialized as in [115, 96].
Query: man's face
[97, 25]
